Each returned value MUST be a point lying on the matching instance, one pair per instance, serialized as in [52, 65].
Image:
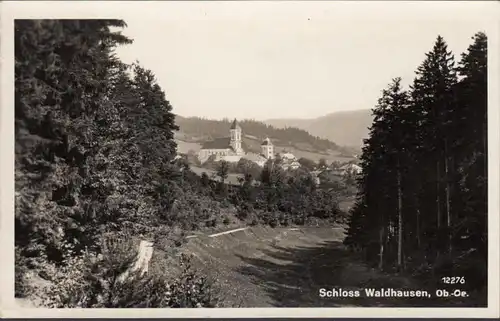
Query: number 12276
[453, 280]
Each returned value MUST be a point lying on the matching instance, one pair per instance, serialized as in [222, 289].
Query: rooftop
[218, 143]
[266, 141]
[221, 143]
[254, 157]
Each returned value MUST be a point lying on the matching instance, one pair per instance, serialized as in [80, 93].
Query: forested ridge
[95, 172]
[422, 202]
[209, 129]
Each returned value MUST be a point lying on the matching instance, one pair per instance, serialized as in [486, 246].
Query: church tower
[267, 149]
[235, 142]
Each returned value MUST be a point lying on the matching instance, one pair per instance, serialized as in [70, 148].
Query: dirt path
[262, 267]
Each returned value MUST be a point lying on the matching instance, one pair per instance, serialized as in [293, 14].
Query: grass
[286, 267]
[184, 147]
[227, 256]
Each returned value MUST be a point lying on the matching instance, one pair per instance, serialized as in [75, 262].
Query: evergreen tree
[422, 193]
[307, 163]
[63, 70]
[322, 163]
[471, 147]
[434, 100]
[223, 170]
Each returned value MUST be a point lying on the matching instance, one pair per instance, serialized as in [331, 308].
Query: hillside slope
[203, 129]
[194, 131]
[345, 128]
[286, 267]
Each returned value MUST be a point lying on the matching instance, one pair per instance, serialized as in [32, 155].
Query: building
[289, 161]
[267, 149]
[230, 147]
[256, 158]
[290, 165]
[288, 157]
[350, 169]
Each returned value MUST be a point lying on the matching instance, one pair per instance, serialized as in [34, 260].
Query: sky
[264, 60]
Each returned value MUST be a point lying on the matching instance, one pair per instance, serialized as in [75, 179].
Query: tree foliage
[94, 156]
[422, 201]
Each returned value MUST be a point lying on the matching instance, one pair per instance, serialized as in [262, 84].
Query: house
[292, 165]
[256, 158]
[289, 161]
[288, 157]
[350, 169]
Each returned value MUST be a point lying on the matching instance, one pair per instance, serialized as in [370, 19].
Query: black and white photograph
[251, 155]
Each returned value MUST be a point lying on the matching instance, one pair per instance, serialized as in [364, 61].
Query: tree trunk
[400, 222]
[381, 251]
[447, 193]
[438, 210]
[418, 225]
[438, 199]
[485, 144]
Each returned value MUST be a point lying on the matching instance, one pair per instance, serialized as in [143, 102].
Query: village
[232, 149]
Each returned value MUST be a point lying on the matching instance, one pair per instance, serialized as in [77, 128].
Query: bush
[211, 223]
[21, 271]
[242, 214]
[95, 281]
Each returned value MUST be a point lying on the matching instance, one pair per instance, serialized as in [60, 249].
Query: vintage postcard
[225, 159]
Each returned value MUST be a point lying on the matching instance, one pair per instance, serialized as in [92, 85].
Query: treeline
[210, 129]
[96, 171]
[422, 203]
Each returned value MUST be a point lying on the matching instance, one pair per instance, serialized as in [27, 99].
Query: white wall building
[224, 146]
[350, 168]
[267, 149]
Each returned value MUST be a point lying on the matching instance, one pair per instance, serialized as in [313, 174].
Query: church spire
[235, 142]
[235, 125]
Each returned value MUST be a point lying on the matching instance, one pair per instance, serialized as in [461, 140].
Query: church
[232, 148]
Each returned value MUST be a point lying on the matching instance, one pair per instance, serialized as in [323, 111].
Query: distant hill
[346, 128]
[194, 131]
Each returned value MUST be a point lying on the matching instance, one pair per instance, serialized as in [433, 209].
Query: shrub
[94, 281]
[21, 271]
[211, 223]
[242, 214]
